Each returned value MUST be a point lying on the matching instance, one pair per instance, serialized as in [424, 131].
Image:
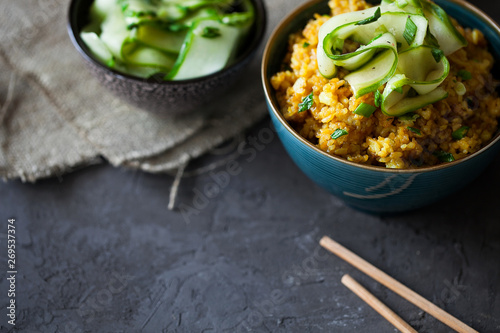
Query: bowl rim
[274, 107]
[256, 40]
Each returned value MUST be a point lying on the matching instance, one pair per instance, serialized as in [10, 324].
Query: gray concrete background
[98, 251]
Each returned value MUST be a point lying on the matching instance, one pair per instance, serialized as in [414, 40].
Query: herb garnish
[370, 19]
[410, 116]
[307, 103]
[410, 31]
[465, 75]
[460, 133]
[338, 133]
[378, 98]
[210, 32]
[365, 109]
[437, 54]
[444, 156]
[414, 130]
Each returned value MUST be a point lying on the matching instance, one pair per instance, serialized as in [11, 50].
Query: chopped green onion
[410, 31]
[111, 62]
[465, 75]
[370, 19]
[210, 32]
[460, 89]
[414, 130]
[460, 133]
[430, 39]
[437, 54]
[365, 110]
[306, 103]
[306, 44]
[444, 156]
[399, 90]
[338, 133]
[410, 116]
[378, 98]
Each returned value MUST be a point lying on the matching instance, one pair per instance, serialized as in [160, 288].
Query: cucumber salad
[171, 39]
[403, 44]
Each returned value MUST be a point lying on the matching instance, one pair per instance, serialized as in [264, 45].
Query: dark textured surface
[98, 251]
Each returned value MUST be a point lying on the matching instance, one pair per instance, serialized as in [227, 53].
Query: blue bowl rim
[256, 40]
[274, 107]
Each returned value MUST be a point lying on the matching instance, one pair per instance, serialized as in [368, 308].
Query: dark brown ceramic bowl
[171, 98]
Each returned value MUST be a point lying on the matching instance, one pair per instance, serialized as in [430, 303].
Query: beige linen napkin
[54, 116]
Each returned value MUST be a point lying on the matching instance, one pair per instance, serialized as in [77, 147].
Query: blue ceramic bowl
[371, 188]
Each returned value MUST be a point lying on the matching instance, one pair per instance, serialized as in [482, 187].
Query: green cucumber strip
[97, 47]
[374, 73]
[415, 3]
[192, 17]
[370, 19]
[114, 32]
[145, 37]
[363, 54]
[396, 24]
[325, 65]
[395, 90]
[167, 41]
[430, 39]
[100, 9]
[98, 12]
[407, 6]
[331, 36]
[140, 55]
[138, 71]
[356, 59]
[422, 72]
[196, 4]
[409, 104]
[242, 18]
[402, 3]
[443, 29]
[138, 11]
[393, 22]
[217, 52]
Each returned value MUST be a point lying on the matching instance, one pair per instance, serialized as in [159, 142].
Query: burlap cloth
[54, 116]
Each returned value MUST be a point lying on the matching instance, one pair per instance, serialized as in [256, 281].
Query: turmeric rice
[417, 140]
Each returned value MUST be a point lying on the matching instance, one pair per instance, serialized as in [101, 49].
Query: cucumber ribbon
[403, 44]
[181, 39]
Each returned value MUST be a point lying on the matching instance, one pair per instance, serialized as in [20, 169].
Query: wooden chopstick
[394, 285]
[377, 305]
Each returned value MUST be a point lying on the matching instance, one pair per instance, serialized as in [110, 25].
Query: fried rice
[417, 140]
